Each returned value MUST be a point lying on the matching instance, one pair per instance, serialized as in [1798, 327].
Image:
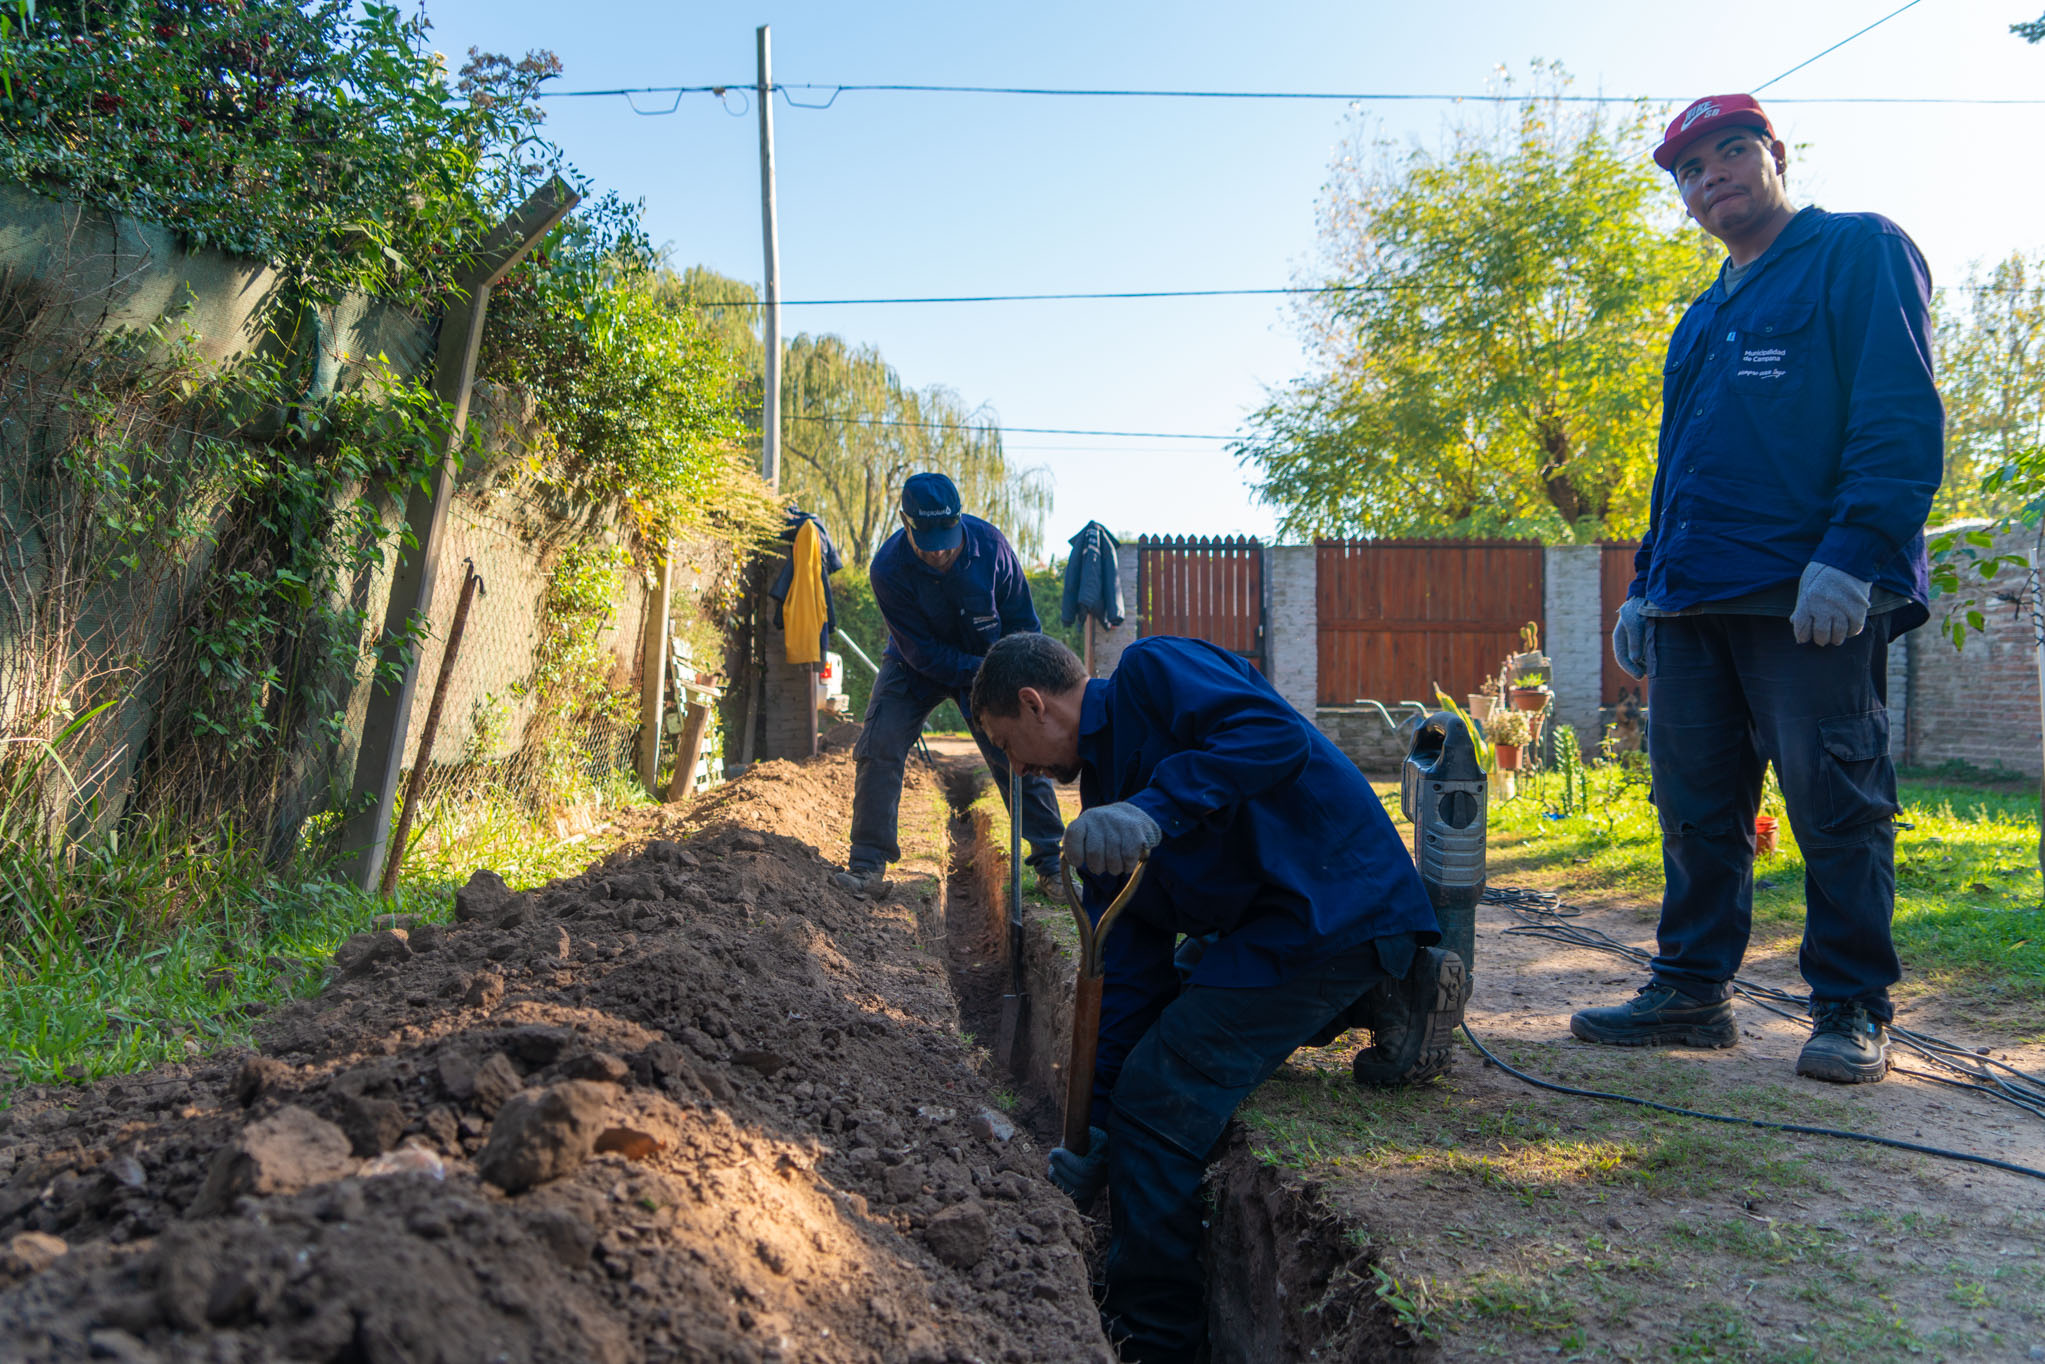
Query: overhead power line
[1116, 294]
[1834, 48]
[1004, 428]
[1348, 97]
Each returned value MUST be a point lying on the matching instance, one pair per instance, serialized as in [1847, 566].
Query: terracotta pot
[1766, 834]
[1530, 698]
[1508, 756]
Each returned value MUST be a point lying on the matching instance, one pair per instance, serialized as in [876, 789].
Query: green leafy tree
[2032, 32]
[1491, 360]
[1991, 368]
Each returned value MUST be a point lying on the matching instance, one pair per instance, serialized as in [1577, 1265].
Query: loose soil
[692, 1104]
[1511, 1223]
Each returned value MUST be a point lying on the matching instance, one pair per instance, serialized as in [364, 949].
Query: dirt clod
[484, 897]
[541, 1135]
[292, 1149]
[484, 991]
[959, 1235]
[258, 1076]
[372, 1125]
[32, 1252]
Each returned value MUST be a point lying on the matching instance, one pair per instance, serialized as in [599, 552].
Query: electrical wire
[1350, 97]
[1004, 427]
[1544, 915]
[1801, 1129]
[1834, 48]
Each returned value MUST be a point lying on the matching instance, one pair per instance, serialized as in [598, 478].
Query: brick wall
[1573, 635]
[1109, 644]
[1363, 734]
[1978, 704]
[1291, 631]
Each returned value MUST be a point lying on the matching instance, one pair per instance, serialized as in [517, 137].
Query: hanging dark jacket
[786, 578]
[1093, 583]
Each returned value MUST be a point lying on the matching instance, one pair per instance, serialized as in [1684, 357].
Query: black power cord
[1544, 912]
[1839, 1133]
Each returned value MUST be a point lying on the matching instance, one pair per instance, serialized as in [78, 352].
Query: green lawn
[1968, 916]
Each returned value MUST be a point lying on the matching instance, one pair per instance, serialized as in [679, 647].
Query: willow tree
[1487, 355]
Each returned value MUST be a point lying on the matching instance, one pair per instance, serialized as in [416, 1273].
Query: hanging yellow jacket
[804, 611]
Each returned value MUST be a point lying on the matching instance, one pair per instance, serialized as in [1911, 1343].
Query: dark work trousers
[902, 700]
[1726, 696]
[1177, 1089]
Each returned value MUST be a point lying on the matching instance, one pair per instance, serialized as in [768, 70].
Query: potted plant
[1530, 692]
[1509, 732]
[1484, 701]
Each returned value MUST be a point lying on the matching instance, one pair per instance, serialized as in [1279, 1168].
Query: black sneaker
[1659, 1016]
[1412, 1021]
[1848, 1046]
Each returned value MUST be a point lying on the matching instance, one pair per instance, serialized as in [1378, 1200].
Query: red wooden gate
[1211, 589]
[1615, 575]
[1399, 617]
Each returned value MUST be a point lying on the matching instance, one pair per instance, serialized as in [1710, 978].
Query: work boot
[865, 882]
[1659, 1016]
[1050, 882]
[1848, 1046]
[1413, 1021]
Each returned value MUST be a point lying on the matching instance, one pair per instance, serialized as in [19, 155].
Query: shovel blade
[1009, 1029]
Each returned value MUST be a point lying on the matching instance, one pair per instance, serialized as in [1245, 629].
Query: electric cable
[1000, 427]
[1545, 915]
[1834, 48]
[1800, 1128]
[1348, 97]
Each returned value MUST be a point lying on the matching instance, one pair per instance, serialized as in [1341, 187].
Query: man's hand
[1082, 1177]
[1831, 605]
[1110, 839]
[1629, 638]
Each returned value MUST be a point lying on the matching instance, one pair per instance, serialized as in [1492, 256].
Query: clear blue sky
[892, 194]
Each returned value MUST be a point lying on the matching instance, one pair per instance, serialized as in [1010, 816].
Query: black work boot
[1412, 1021]
[1848, 1046]
[865, 882]
[1659, 1016]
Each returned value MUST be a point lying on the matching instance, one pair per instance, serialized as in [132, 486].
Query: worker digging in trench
[1264, 843]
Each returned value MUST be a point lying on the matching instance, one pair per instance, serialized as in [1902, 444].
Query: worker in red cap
[1802, 441]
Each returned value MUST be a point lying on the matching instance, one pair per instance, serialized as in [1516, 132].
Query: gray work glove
[1831, 605]
[1629, 637]
[1082, 1177]
[1109, 840]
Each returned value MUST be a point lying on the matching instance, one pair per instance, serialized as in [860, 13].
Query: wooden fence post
[364, 838]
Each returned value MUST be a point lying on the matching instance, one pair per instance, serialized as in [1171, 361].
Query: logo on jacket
[1703, 108]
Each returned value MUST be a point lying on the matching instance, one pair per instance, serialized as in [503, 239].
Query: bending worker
[1801, 444]
[1258, 830]
[948, 586]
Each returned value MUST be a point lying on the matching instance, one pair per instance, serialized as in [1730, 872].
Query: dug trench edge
[1288, 1277]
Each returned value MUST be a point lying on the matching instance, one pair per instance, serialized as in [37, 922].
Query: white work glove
[1831, 605]
[1109, 840]
[1082, 1177]
[1629, 638]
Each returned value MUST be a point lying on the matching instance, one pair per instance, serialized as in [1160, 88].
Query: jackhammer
[1443, 791]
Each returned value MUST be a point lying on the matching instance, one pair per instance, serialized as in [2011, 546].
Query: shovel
[1086, 1005]
[1014, 1004]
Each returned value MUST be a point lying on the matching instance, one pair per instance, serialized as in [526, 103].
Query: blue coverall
[940, 625]
[1799, 423]
[1275, 842]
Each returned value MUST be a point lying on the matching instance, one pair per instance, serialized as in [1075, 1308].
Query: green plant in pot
[1509, 731]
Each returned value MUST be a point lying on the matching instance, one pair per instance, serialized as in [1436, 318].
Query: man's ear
[1780, 150]
[1029, 701]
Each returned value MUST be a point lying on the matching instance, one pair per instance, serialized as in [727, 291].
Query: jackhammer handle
[1079, 1074]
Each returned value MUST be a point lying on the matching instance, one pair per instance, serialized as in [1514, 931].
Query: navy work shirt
[943, 624]
[1272, 838]
[1800, 423]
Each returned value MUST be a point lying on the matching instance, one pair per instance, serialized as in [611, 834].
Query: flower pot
[1481, 706]
[1530, 698]
[1766, 833]
[1508, 756]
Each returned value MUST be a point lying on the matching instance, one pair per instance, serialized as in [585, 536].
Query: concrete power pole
[770, 410]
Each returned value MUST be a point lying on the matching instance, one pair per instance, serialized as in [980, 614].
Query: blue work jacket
[1800, 423]
[942, 624]
[1272, 838]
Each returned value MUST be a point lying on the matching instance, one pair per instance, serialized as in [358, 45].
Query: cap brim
[1670, 152]
[938, 541]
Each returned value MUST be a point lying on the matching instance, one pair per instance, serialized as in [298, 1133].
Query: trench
[1288, 1277]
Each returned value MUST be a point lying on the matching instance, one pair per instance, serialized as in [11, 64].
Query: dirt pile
[693, 1104]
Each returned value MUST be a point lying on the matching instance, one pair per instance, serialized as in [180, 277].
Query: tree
[1490, 358]
[1991, 368]
[2032, 32]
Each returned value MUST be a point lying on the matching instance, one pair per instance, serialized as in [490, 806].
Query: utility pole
[770, 408]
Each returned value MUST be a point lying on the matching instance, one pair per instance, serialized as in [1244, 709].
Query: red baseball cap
[1708, 115]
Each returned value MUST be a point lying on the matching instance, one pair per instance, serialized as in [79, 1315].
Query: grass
[160, 946]
[1968, 920]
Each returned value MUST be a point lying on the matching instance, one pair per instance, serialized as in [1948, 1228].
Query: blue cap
[930, 506]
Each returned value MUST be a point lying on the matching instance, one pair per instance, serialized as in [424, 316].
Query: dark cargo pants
[1174, 1096]
[902, 700]
[1728, 695]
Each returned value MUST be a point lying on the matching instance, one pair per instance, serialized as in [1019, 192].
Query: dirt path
[694, 1104]
[1516, 1224]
